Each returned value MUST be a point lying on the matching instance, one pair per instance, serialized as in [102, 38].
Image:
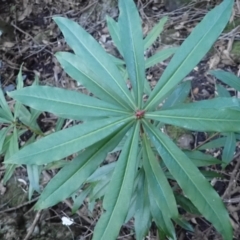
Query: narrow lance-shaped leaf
[13, 148]
[114, 32]
[75, 173]
[229, 148]
[178, 96]
[194, 185]
[160, 56]
[118, 197]
[143, 219]
[95, 57]
[227, 78]
[201, 159]
[68, 141]
[158, 183]
[191, 51]
[154, 33]
[221, 120]
[131, 37]
[66, 103]
[163, 223]
[222, 91]
[76, 68]
[5, 113]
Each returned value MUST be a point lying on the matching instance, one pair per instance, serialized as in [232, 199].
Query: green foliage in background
[116, 118]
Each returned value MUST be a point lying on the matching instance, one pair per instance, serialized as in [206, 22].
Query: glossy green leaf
[222, 120]
[160, 56]
[178, 96]
[194, 185]
[229, 148]
[68, 141]
[201, 159]
[154, 33]
[228, 78]
[94, 57]
[191, 51]
[119, 192]
[142, 216]
[114, 32]
[66, 103]
[75, 173]
[164, 224]
[97, 84]
[158, 183]
[130, 31]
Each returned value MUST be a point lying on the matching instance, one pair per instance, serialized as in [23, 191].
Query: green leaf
[33, 176]
[160, 56]
[216, 143]
[19, 86]
[184, 224]
[66, 103]
[222, 91]
[94, 57]
[178, 96]
[164, 224]
[142, 217]
[205, 119]
[5, 112]
[210, 175]
[228, 78]
[119, 192]
[75, 173]
[201, 159]
[154, 33]
[186, 204]
[78, 201]
[194, 185]
[99, 190]
[191, 51]
[229, 149]
[68, 141]
[13, 148]
[78, 70]
[3, 134]
[102, 172]
[158, 183]
[131, 37]
[114, 32]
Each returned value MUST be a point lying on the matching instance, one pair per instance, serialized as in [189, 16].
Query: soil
[30, 37]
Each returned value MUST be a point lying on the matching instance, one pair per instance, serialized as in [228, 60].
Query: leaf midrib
[183, 169]
[123, 91]
[125, 175]
[183, 62]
